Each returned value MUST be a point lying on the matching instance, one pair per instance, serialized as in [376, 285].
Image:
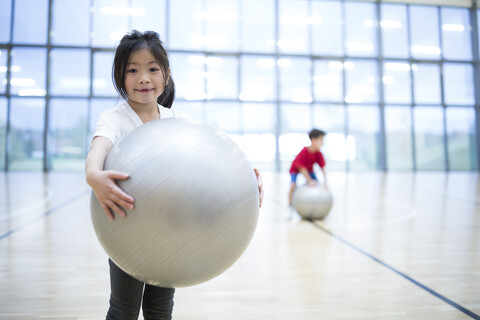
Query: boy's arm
[305, 172]
[110, 196]
[324, 175]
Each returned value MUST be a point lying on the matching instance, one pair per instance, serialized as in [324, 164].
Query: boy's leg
[290, 193]
[293, 185]
[157, 302]
[126, 295]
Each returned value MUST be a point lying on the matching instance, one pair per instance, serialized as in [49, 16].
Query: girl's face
[144, 81]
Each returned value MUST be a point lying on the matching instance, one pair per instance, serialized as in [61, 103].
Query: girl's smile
[145, 90]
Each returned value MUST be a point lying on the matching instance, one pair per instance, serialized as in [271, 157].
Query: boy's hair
[131, 43]
[315, 133]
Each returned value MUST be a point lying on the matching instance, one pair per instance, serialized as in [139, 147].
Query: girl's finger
[117, 175]
[121, 202]
[107, 211]
[113, 206]
[120, 194]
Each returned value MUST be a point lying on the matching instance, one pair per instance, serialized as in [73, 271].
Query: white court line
[31, 208]
[411, 213]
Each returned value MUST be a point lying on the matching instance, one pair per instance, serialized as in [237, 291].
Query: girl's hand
[109, 194]
[260, 186]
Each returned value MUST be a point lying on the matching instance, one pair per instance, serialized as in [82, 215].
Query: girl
[141, 75]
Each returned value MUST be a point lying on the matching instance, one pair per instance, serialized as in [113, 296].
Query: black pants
[126, 298]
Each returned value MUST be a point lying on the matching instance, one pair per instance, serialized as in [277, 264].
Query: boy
[305, 160]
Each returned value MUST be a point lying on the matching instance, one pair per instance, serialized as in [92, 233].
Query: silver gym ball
[196, 204]
[312, 202]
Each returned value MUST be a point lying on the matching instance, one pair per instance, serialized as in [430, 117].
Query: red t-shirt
[307, 159]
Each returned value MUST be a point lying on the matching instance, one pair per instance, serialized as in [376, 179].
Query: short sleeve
[106, 127]
[321, 160]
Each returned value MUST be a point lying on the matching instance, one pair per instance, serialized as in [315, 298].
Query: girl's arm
[108, 193]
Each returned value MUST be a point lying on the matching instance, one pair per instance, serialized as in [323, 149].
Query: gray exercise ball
[196, 204]
[312, 202]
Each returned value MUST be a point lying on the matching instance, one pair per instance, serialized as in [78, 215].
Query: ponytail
[168, 94]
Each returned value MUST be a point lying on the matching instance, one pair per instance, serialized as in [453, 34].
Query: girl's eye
[154, 69]
[132, 70]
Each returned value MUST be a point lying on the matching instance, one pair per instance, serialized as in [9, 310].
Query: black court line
[44, 214]
[422, 286]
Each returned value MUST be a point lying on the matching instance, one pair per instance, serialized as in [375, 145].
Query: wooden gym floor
[395, 246]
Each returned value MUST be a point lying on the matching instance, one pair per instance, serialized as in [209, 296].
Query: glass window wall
[363, 137]
[295, 79]
[220, 22]
[424, 33]
[222, 77]
[266, 72]
[3, 131]
[258, 122]
[26, 135]
[30, 21]
[257, 76]
[328, 80]
[461, 138]
[3, 70]
[5, 18]
[152, 15]
[393, 27]
[327, 28]
[398, 127]
[396, 82]
[458, 83]
[361, 81]
[360, 29]
[102, 74]
[429, 138]
[426, 79]
[258, 27]
[293, 23]
[70, 23]
[456, 34]
[224, 116]
[70, 72]
[67, 134]
[28, 71]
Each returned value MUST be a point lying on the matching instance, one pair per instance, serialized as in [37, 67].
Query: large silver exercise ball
[312, 202]
[196, 204]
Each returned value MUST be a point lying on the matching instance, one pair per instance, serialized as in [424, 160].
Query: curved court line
[420, 285]
[20, 212]
[412, 212]
[45, 214]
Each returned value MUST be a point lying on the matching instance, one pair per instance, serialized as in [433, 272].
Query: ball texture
[313, 202]
[196, 204]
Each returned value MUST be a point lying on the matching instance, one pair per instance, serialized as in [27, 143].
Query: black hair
[131, 43]
[315, 133]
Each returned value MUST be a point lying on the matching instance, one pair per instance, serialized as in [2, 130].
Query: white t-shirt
[115, 123]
